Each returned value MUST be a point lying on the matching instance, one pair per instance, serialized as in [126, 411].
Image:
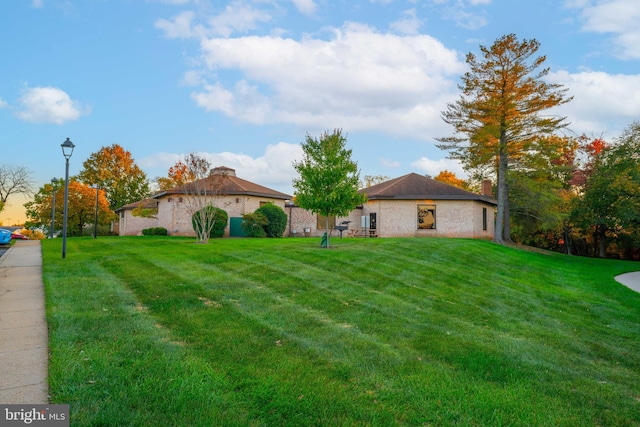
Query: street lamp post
[67, 151]
[53, 206]
[95, 222]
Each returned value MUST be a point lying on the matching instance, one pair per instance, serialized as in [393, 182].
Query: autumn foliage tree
[81, 208]
[499, 113]
[179, 174]
[540, 191]
[450, 178]
[114, 170]
[610, 202]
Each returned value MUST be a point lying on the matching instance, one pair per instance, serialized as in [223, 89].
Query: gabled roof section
[144, 203]
[415, 187]
[226, 184]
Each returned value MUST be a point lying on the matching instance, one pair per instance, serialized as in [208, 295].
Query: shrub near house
[253, 223]
[276, 219]
[215, 220]
[155, 231]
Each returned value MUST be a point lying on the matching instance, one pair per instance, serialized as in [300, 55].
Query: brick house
[235, 195]
[412, 205]
[128, 224]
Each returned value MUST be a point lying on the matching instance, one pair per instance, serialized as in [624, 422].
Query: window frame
[429, 208]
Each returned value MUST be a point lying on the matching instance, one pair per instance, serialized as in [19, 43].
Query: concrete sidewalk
[630, 280]
[24, 349]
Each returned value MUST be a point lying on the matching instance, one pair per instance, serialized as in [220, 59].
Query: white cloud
[274, 169]
[602, 102]
[3, 103]
[179, 27]
[49, 105]
[618, 17]
[37, 4]
[399, 87]
[237, 16]
[434, 167]
[462, 13]
[408, 24]
[306, 7]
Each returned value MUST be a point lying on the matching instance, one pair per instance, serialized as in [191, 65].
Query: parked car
[15, 235]
[5, 236]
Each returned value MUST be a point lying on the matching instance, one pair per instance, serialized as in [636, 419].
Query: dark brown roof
[228, 185]
[414, 187]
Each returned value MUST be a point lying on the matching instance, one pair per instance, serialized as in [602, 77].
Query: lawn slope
[162, 331]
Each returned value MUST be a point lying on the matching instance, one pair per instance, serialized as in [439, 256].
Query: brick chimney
[486, 188]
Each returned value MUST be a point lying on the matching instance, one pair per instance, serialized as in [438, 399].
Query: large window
[426, 217]
[321, 223]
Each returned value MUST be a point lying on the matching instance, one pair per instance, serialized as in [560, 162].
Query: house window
[265, 203]
[321, 223]
[484, 219]
[426, 217]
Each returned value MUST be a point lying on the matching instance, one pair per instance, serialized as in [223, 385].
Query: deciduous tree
[81, 208]
[179, 174]
[115, 171]
[611, 200]
[14, 180]
[450, 178]
[540, 191]
[500, 112]
[328, 178]
[204, 194]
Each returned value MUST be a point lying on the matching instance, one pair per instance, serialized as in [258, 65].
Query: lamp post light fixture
[54, 181]
[67, 151]
[95, 222]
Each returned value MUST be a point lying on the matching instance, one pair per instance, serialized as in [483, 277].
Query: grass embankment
[162, 331]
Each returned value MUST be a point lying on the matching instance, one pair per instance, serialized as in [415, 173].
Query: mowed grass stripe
[111, 362]
[259, 342]
[370, 332]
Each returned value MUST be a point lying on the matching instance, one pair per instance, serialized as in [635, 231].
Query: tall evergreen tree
[499, 113]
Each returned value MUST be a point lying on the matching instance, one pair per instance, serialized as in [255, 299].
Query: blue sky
[243, 81]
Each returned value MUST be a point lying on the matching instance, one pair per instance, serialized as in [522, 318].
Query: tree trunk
[326, 227]
[567, 242]
[503, 163]
[506, 233]
[602, 243]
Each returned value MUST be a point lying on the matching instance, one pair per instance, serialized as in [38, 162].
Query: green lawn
[157, 331]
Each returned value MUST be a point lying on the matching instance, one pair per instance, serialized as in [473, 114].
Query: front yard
[162, 331]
